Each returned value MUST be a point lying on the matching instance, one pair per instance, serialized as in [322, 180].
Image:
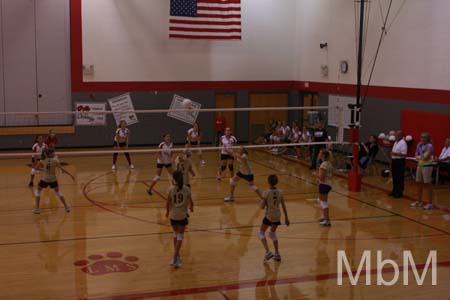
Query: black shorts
[179, 222]
[193, 143]
[270, 223]
[246, 177]
[162, 166]
[324, 189]
[121, 145]
[226, 157]
[43, 184]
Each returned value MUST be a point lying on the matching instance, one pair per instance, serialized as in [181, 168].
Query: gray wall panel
[52, 51]
[2, 70]
[19, 58]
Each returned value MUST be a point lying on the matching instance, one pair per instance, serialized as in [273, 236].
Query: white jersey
[165, 156]
[296, 136]
[38, 149]
[122, 134]
[285, 130]
[193, 135]
[227, 143]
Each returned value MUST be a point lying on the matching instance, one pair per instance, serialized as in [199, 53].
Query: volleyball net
[90, 127]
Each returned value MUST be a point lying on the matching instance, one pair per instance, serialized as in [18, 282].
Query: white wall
[127, 40]
[415, 52]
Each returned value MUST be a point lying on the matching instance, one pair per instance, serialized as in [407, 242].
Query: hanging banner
[189, 117]
[90, 114]
[123, 109]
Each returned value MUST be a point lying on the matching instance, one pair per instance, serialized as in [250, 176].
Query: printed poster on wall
[185, 116]
[123, 109]
[90, 114]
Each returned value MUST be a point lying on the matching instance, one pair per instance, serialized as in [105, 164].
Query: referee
[398, 166]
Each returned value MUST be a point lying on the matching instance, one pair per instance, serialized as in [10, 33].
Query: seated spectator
[368, 151]
[444, 159]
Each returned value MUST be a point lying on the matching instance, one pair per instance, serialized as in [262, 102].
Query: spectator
[445, 153]
[398, 165]
[444, 158]
[320, 135]
[220, 123]
[424, 156]
[51, 140]
[368, 151]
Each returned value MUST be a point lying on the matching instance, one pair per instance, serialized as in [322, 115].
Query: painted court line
[247, 285]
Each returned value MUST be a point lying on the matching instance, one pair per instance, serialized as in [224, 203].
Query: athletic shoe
[268, 256]
[277, 257]
[150, 192]
[131, 167]
[229, 199]
[428, 206]
[68, 209]
[417, 204]
[36, 211]
[177, 264]
[321, 220]
[325, 223]
[30, 184]
[113, 167]
[203, 163]
[172, 262]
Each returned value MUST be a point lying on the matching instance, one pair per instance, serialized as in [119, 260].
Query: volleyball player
[121, 143]
[272, 198]
[164, 161]
[38, 148]
[184, 165]
[227, 142]
[179, 200]
[325, 175]
[193, 139]
[51, 140]
[49, 165]
[245, 172]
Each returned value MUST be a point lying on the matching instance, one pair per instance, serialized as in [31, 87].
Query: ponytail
[178, 179]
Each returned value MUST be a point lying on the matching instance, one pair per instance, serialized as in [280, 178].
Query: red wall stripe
[410, 94]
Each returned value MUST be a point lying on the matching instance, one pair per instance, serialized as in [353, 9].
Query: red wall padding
[415, 122]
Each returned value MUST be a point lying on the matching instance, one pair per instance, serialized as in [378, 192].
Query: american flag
[205, 19]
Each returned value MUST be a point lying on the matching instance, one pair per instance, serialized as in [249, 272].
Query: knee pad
[157, 178]
[254, 187]
[231, 167]
[180, 236]
[60, 194]
[324, 204]
[261, 235]
[223, 168]
[37, 192]
[33, 171]
[273, 236]
[232, 182]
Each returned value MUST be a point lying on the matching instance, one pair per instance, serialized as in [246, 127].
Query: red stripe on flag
[204, 29]
[205, 37]
[220, 1]
[204, 22]
[217, 16]
[219, 8]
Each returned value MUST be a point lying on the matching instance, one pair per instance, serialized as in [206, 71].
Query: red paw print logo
[112, 262]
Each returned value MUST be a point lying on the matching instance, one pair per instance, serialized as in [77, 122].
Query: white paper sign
[123, 109]
[189, 116]
[338, 110]
[90, 114]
